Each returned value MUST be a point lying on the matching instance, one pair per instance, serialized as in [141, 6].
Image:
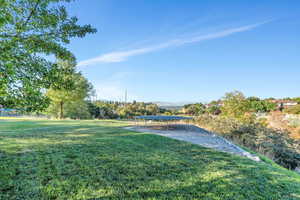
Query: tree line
[238, 119]
[235, 104]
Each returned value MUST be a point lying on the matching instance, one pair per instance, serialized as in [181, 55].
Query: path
[198, 136]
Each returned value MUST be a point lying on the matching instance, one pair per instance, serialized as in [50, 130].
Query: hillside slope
[98, 160]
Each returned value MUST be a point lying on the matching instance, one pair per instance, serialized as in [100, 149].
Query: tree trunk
[61, 110]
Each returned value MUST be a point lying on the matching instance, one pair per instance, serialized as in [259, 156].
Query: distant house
[290, 104]
[284, 103]
[218, 103]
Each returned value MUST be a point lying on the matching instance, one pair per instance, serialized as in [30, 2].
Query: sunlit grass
[50, 159]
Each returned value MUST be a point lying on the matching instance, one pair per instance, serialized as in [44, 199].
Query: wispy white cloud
[113, 87]
[119, 56]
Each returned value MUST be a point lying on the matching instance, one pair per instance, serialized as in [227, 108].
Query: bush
[214, 110]
[272, 143]
[194, 109]
[293, 110]
[77, 110]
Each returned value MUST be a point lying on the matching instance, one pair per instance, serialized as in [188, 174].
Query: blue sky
[175, 50]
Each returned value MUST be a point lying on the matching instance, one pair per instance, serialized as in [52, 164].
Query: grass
[99, 160]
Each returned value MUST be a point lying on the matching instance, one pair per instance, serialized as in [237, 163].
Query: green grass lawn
[99, 160]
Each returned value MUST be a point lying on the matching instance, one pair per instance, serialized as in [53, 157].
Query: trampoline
[163, 121]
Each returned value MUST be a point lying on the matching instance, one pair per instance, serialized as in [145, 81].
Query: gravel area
[198, 136]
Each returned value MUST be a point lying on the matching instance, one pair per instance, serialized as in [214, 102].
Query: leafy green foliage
[30, 30]
[113, 110]
[69, 101]
[194, 109]
[136, 109]
[77, 110]
[235, 105]
[257, 105]
[97, 160]
[297, 99]
[214, 108]
[105, 110]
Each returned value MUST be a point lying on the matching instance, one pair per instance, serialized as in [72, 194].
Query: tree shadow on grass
[206, 174]
[114, 163]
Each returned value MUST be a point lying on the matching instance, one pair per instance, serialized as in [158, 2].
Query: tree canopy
[194, 109]
[72, 96]
[257, 105]
[30, 31]
[234, 104]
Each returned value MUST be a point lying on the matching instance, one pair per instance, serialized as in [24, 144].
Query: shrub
[293, 110]
[272, 143]
[194, 109]
[214, 110]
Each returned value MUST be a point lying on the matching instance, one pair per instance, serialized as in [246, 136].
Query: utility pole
[125, 96]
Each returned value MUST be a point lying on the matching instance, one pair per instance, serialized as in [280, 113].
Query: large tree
[194, 109]
[234, 105]
[31, 31]
[69, 101]
[257, 105]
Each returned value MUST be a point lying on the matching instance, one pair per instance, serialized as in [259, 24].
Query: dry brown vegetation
[276, 144]
[289, 123]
